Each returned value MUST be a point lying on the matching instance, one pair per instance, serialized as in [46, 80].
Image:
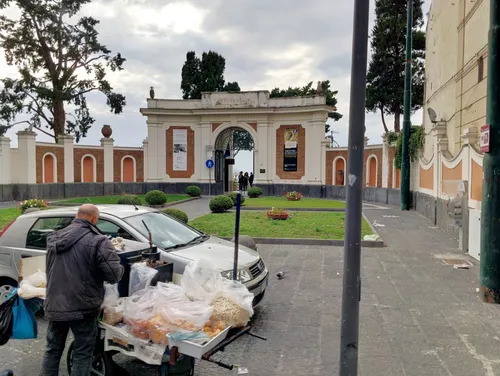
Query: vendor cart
[171, 360]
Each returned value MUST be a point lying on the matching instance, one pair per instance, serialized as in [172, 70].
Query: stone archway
[228, 144]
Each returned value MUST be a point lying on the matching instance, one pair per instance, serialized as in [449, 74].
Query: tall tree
[385, 79]
[59, 60]
[205, 74]
[308, 89]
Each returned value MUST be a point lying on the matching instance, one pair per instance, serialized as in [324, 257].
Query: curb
[317, 242]
[168, 204]
[261, 208]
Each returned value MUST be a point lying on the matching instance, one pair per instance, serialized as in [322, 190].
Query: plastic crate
[197, 351]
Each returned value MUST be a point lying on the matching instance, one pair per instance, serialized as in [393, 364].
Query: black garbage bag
[6, 319]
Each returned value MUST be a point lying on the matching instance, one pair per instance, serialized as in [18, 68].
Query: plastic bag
[37, 279]
[113, 314]
[24, 324]
[6, 319]
[233, 305]
[140, 277]
[111, 295]
[201, 280]
[238, 293]
[137, 310]
[28, 291]
[187, 315]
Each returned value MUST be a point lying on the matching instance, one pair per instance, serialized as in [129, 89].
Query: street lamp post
[490, 211]
[405, 157]
[351, 293]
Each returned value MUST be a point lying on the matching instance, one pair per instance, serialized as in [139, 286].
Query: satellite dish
[432, 114]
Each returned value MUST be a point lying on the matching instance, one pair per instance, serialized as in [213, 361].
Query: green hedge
[129, 200]
[233, 195]
[193, 191]
[255, 192]
[156, 198]
[177, 214]
[220, 204]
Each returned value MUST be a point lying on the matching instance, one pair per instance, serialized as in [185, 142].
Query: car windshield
[166, 232]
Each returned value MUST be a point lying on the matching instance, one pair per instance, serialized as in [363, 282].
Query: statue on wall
[319, 89]
[152, 93]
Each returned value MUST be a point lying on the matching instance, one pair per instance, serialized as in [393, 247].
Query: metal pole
[210, 182]
[237, 236]
[351, 294]
[490, 212]
[405, 162]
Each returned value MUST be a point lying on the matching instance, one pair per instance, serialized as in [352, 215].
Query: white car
[179, 243]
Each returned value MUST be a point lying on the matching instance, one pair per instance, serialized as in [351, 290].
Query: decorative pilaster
[5, 171]
[107, 145]
[69, 166]
[27, 157]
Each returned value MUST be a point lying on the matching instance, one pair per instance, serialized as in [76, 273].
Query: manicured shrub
[177, 214]
[233, 195]
[155, 198]
[129, 200]
[255, 192]
[220, 204]
[193, 191]
[32, 203]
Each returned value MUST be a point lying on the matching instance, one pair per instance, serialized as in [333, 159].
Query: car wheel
[7, 285]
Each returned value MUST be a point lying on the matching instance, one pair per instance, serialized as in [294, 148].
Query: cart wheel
[101, 365]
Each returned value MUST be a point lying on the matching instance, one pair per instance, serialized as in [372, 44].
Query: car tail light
[6, 228]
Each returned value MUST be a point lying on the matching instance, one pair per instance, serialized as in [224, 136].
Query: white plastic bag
[138, 310]
[110, 295]
[37, 279]
[238, 293]
[187, 315]
[28, 291]
[113, 314]
[140, 277]
[201, 280]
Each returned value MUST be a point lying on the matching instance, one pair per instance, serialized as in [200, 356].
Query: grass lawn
[8, 215]
[311, 225]
[113, 199]
[282, 202]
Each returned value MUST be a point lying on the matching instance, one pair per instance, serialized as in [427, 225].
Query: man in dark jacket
[79, 260]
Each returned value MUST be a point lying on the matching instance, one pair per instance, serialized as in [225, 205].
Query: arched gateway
[287, 136]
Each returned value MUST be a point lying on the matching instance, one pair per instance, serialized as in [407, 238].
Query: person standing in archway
[250, 179]
[240, 181]
[245, 182]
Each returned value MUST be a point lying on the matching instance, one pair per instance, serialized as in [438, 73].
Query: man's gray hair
[87, 210]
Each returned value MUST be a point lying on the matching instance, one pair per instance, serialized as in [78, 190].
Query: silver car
[179, 243]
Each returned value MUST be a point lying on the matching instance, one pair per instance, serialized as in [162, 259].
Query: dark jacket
[79, 260]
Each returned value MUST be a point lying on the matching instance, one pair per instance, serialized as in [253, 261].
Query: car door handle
[26, 256]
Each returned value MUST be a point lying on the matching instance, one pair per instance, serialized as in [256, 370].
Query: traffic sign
[209, 163]
[484, 141]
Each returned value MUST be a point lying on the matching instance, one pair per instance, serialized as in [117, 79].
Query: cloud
[266, 44]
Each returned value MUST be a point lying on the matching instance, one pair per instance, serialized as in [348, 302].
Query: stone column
[69, 165]
[145, 145]
[107, 145]
[385, 163]
[204, 136]
[5, 171]
[261, 155]
[155, 151]
[315, 134]
[26, 145]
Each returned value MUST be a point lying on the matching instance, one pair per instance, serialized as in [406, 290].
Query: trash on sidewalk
[461, 266]
[375, 224]
[372, 237]
[390, 216]
[477, 290]
[242, 371]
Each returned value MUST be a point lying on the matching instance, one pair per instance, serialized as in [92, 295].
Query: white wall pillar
[145, 144]
[385, 163]
[107, 145]
[5, 172]
[69, 166]
[26, 143]
[154, 152]
[315, 134]
[261, 155]
[324, 145]
[204, 138]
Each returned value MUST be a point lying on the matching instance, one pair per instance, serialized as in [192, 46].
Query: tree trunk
[397, 121]
[386, 130]
[59, 118]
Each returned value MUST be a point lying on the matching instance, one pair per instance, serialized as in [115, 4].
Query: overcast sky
[266, 44]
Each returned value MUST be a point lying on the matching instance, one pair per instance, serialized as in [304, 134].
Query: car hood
[220, 252]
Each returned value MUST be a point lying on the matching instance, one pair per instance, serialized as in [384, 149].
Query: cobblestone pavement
[419, 316]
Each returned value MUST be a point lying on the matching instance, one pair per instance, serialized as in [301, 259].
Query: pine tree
[385, 79]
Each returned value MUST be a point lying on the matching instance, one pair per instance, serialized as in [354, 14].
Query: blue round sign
[209, 163]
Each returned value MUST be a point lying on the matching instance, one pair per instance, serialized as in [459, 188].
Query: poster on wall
[180, 149]
[290, 155]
